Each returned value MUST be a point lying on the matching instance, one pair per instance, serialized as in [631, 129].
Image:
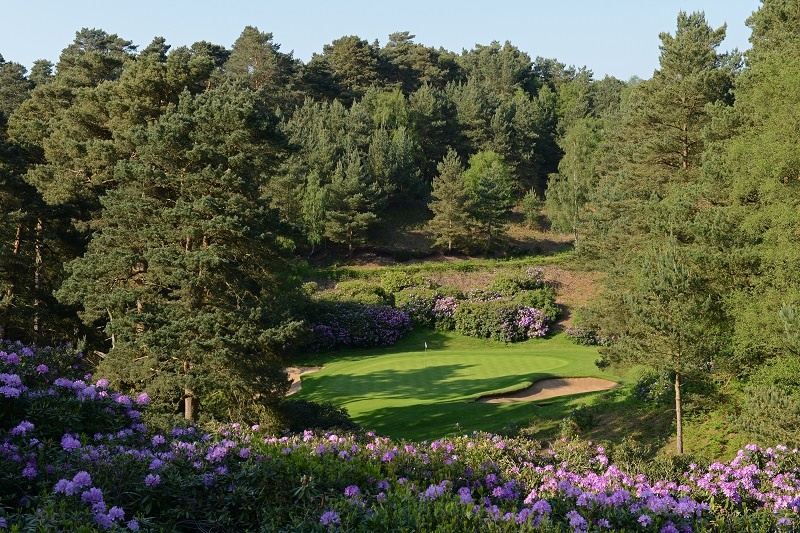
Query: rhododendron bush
[74, 455]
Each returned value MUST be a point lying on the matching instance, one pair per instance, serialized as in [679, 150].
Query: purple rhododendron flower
[82, 479]
[10, 358]
[329, 518]
[116, 513]
[22, 428]
[69, 443]
[93, 495]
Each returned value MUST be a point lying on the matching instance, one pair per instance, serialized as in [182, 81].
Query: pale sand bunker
[294, 374]
[550, 388]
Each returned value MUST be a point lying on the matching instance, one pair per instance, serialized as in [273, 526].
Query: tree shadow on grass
[414, 341]
[437, 420]
[539, 420]
[431, 381]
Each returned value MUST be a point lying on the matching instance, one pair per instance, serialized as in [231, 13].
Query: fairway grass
[406, 391]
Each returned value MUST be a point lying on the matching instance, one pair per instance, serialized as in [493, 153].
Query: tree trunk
[189, 400]
[111, 321]
[678, 414]
[10, 290]
[189, 406]
[18, 239]
[37, 281]
[449, 235]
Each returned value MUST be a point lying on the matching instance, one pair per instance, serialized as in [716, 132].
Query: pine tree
[756, 171]
[655, 149]
[672, 320]
[568, 191]
[491, 188]
[450, 207]
[181, 275]
[351, 203]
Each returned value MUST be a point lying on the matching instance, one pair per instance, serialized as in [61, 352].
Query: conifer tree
[672, 319]
[569, 190]
[182, 273]
[490, 185]
[351, 203]
[756, 170]
[655, 149]
[451, 204]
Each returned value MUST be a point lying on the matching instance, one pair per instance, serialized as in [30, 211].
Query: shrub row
[515, 307]
[349, 324]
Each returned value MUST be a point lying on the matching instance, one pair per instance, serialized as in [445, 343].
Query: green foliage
[770, 410]
[143, 188]
[485, 320]
[394, 281]
[586, 336]
[451, 204]
[360, 292]
[513, 283]
[184, 273]
[299, 415]
[351, 203]
[532, 206]
[336, 324]
[543, 299]
[490, 186]
[654, 387]
[568, 191]
[354, 63]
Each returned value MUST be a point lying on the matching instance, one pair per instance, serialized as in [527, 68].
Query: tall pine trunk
[37, 281]
[10, 290]
[678, 413]
[189, 399]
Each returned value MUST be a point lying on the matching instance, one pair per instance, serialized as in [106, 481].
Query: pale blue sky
[611, 37]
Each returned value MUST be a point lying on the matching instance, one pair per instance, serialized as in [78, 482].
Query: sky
[610, 37]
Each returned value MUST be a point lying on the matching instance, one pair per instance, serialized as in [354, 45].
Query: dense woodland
[158, 203]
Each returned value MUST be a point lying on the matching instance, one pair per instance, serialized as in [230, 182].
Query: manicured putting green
[406, 391]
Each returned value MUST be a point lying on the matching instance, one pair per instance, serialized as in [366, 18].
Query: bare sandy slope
[294, 374]
[550, 388]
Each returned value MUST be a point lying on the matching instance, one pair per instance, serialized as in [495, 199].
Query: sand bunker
[550, 388]
[294, 374]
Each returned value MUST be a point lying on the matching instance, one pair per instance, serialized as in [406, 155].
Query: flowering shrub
[507, 315]
[236, 478]
[543, 299]
[354, 325]
[587, 336]
[419, 304]
[499, 319]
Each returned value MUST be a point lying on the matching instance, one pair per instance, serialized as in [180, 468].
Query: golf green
[426, 385]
